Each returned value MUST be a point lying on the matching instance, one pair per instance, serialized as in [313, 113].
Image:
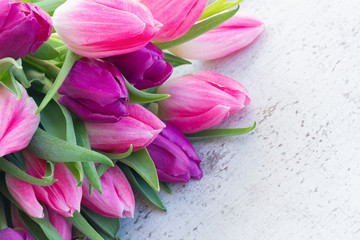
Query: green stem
[80, 223]
[69, 62]
[3, 222]
[45, 64]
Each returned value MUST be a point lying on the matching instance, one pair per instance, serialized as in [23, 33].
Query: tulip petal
[202, 121]
[18, 190]
[61, 224]
[18, 122]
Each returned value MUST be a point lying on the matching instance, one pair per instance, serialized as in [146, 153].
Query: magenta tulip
[93, 28]
[18, 122]
[15, 234]
[201, 100]
[139, 128]
[177, 16]
[231, 36]
[95, 91]
[63, 196]
[23, 28]
[174, 157]
[145, 68]
[117, 198]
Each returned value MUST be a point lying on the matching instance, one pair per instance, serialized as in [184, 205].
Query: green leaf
[69, 62]
[107, 227]
[49, 173]
[166, 186]
[13, 170]
[142, 187]
[46, 52]
[44, 223]
[142, 163]
[82, 140]
[32, 226]
[17, 159]
[19, 74]
[77, 171]
[7, 77]
[46, 146]
[217, 7]
[138, 96]
[37, 78]
[199, 29]
[80, 223]
[175, 61]
[213, 133]
[49, 5]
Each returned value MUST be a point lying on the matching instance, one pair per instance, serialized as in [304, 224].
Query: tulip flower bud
[140, 128]
[63, 196]
[201, 100]
[117, 199]
[95, 91]
[23, 28]
[15, 234]
[177, 16]
[174, 157]
[18, 122]
[231, 36]
[118, 27]
[145, 68]
[61, 224]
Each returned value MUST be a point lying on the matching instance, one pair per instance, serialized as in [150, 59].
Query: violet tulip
[140, 128]
[201, 100]
[63, 196]
[23, 28]
[97, 29]
[95, 91]
[231, 36]
[18, 121]
[174, 157]
[177, 16]
[145, 68]
[15, 234]
[117, 198]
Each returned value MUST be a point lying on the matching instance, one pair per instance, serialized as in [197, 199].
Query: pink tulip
[18, 122]
[61, 224]
[15, 234]
[139, 128]
[231, 36]
[201, 100]
[117, 199]
[177, 16]
[105, 28]
[63, 196]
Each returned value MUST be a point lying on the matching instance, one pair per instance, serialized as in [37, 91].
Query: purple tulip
[174, 157]
[144, 68]
[15, 234]
[95, 91]
[23, 28]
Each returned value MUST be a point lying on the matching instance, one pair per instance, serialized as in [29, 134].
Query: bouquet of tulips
[88, 115]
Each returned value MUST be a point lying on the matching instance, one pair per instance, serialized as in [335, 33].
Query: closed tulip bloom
[117, 198]
[15, 234]
[177, 16]
[18, 121]
[94, 28]
[145, 68]
[139, 128]
[63, 196]
[23, 28]
[174, 157]
[61, 224]
[95, 91]
[201, 100]
[231, 36]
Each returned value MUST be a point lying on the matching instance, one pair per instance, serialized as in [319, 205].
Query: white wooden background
[298, 175]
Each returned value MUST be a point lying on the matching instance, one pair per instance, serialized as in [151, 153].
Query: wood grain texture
[298, 175]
